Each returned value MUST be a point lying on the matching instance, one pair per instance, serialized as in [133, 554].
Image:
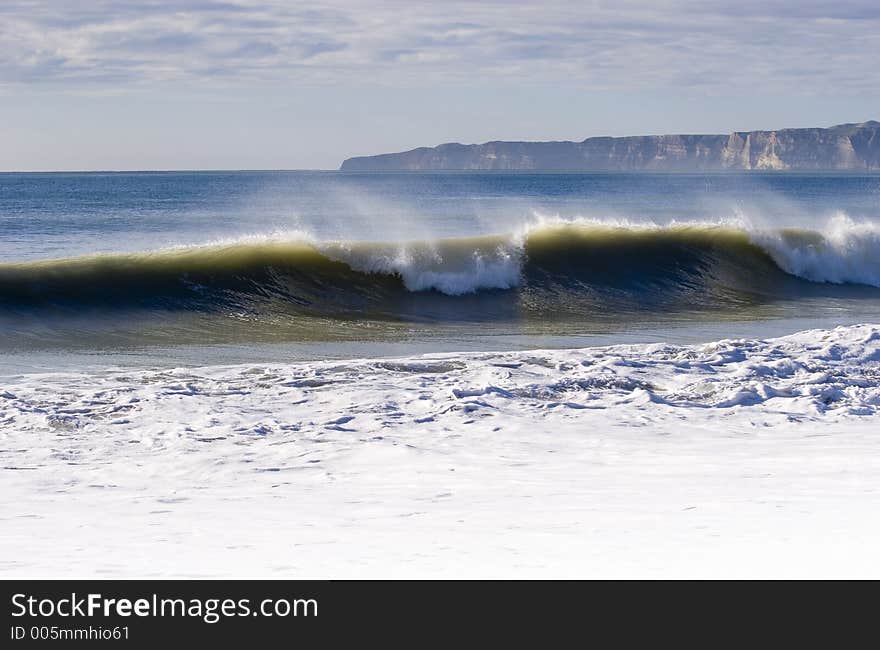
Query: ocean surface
[196, 268]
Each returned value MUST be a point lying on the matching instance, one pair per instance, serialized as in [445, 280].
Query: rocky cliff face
[843, 147]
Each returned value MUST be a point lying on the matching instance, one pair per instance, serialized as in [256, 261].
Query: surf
[549, 268]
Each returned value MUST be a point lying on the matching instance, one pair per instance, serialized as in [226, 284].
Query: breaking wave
[551, 268]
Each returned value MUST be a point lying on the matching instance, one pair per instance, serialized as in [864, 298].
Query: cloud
[746, 46]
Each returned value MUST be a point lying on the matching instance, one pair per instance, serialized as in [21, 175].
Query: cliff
[844, 147]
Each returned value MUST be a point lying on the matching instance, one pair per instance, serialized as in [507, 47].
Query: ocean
[343, 375]
[210, 267]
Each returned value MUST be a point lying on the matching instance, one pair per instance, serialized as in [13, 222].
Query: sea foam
[411, 466]
[452, 267]
[843, 251]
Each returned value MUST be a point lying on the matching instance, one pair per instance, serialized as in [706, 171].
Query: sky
[271, 84]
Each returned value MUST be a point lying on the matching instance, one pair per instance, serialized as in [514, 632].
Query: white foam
[843, 251]
[448, 267]
[757, 457]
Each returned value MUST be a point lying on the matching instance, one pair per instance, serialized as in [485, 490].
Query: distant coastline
[845, 147]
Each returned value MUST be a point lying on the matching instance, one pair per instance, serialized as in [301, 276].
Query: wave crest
[550, 268]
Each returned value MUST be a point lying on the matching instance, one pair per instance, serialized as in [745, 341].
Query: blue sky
[194, 84]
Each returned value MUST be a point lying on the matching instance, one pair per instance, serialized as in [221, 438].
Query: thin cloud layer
[782, 45]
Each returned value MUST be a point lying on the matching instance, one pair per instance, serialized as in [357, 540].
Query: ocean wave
[552, 266]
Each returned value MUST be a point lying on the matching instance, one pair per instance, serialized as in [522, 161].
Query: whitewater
[739, 458]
